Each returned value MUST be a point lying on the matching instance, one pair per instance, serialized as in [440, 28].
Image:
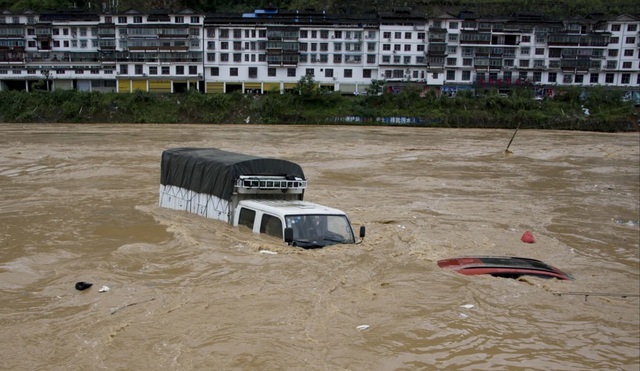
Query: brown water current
[79, 203]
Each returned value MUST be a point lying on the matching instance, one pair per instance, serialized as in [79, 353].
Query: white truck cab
[299, 223]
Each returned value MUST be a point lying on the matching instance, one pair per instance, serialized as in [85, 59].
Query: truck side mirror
[288, 235]
[362, 231]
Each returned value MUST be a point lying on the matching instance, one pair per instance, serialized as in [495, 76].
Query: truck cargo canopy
[214, 171]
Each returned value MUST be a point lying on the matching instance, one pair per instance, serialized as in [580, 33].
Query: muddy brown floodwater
[79, 203]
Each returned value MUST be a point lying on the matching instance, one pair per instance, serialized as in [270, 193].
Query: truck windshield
[320, 230]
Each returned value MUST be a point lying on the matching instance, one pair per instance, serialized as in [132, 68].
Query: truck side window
[246, 218]
[271, 226]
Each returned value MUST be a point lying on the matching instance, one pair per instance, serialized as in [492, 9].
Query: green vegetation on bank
[307, 105]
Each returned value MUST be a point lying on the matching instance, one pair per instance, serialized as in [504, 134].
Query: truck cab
[299, 223]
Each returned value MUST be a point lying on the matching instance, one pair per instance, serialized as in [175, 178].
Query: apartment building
[269, 50]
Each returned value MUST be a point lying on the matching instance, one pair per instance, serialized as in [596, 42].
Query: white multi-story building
[270, 50]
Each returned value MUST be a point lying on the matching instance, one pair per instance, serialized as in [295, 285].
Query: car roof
[502, 266]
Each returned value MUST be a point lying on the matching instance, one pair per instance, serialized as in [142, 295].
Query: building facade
[270, 50]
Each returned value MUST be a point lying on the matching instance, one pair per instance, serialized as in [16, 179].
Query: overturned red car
[503, 266]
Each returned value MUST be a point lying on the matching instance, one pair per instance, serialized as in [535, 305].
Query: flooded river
[79, 203]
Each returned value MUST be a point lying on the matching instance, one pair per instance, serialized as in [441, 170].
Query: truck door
[271, 225]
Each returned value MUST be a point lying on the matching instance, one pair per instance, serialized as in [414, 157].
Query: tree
[307, 86]
[376, 87]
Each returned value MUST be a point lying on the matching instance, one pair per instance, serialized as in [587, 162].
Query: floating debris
[362, 327]
[104, 289]
[83, 285]
[528, 237]
[627, 223]
[268, 252]
[468, 306]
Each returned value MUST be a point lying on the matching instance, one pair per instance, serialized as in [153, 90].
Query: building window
[526, 39]
[371, 58]
[138, 69]
[628, 53]
[224, 57]
[452, 61]
[608, 78]
[453, 25]
[552, 78]
[328, 72]
[348, 73]
[253, 72]
[524, 63]
[632, 27]
[567, 79]
[195, 19]
[451, 75]
[233, 71]
[137, 19]
[271, 71]
[466, 75]
[386, 35]
[614, 40]
[537, 76]
[407, 47]
[291, 72]
[539, 51]
[525, 50]
[153, 70]
[626, 78]
[612, 52]
[630, 40]
[615, 27]
[407, 35]
[179, 19]
[626, 65]
[594, 77]
[215, 71]
[397, 35]
[453, 37]
[579, 79]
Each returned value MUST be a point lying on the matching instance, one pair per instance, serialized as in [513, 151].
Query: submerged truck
[262, 194]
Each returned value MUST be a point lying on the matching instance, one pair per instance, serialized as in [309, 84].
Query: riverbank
[601, 111]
